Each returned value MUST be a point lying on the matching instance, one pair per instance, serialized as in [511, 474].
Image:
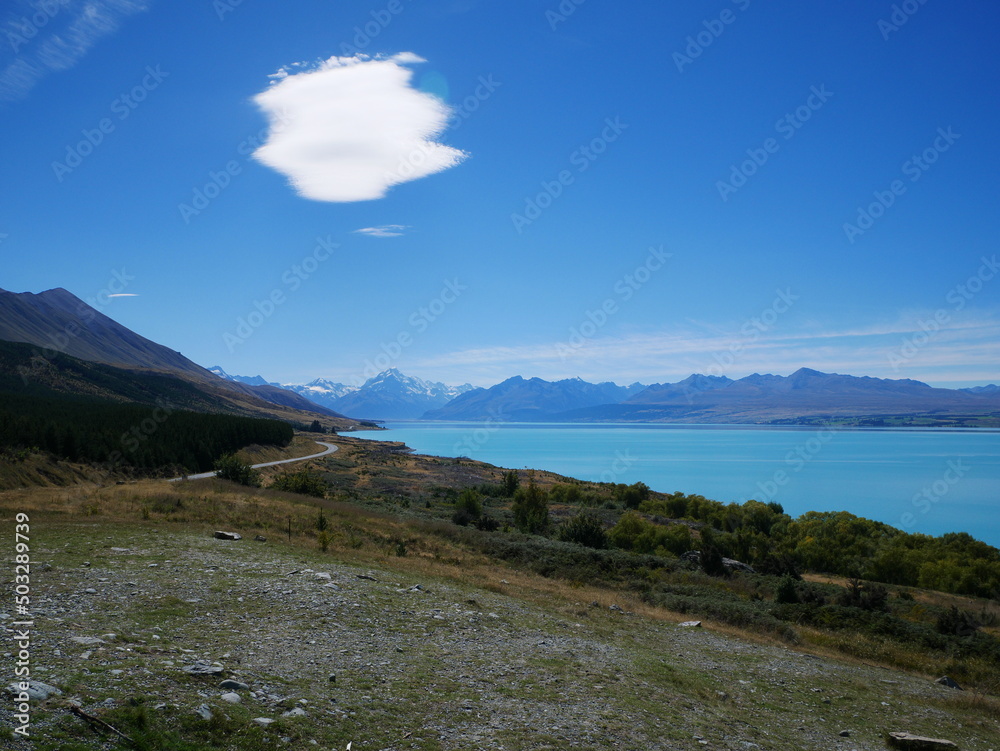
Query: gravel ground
[387, 661]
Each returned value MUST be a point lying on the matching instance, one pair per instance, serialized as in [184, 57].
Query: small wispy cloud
[124, 294]
[70, 29]
[384, 230]
[966, 351]
[349, 128]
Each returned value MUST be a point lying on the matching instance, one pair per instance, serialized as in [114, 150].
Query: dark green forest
[136, 436]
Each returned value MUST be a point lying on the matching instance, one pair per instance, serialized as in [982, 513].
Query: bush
[585, 529]
[303, 482]
[531, 509]
[785, 593]
[469, 502]
[231, 468]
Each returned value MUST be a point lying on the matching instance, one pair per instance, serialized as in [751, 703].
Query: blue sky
[613, 192]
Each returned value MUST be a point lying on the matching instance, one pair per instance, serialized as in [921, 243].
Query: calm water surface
[930, 481]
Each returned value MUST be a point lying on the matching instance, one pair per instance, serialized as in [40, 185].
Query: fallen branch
[97, 723]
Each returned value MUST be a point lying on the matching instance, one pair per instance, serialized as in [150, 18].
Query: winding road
[330, 448]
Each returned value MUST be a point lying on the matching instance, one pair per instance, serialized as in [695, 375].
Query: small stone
[90, 591]
[945, 680]
[919, 742]
[690, 624]
[321, 575]
[615, 609]
[333, 679]
[220, 535]
[263, 721]
[204, 712]
[297, 712]
[844, 733]
[260, 538]
[234, 685]
[232, 697]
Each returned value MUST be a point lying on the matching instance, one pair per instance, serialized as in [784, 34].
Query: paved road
[330, 448]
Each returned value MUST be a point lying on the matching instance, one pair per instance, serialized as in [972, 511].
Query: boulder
[690, 624]
[219, 535]
[694, 556]
[203, 668]
[232, 697]
[919, 743]
[232, 685]
[944, 680]
[37, 691]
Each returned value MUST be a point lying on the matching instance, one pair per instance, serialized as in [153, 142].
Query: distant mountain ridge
[522, 399]
[806, 393]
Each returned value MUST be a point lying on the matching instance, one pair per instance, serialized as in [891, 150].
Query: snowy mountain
[321, 391]
[393, 396]
[249, 380]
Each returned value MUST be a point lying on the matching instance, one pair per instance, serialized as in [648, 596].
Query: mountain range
[56, 322]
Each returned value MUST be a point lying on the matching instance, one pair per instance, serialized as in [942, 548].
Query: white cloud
[383, 230]
[965, 351]
[350, 128]
[54, 36]
[125, 294]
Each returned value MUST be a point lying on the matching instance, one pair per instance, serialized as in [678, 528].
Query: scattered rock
[944, 680]
[844, 733]
[615, 609]
[232, 697]
[918, 742]
[227, 536]
[333, 679]
[263, 721]
[37, 691]
[234, 685]
[87, 641]
[690, 624]
[369, 578]
[321, 575]
[297, 712]
[260, 538]
[204, 712]
[203, 668]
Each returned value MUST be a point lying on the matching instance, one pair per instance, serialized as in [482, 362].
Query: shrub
[470, 502]
[785, 593]
[303, 482]
[531, 509]
[585, 529]
[230, 468]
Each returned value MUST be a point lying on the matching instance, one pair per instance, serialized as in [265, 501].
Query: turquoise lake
[929, 481]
